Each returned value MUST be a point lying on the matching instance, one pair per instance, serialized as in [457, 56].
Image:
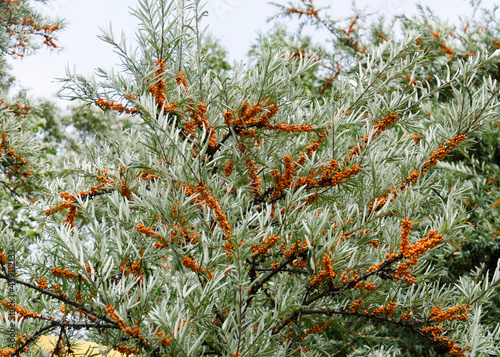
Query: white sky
[235, 22]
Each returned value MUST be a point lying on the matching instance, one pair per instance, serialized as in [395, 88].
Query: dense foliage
[478, 252]
[282, 207]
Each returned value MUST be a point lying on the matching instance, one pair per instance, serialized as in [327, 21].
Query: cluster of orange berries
[181, 79]
[212, 204]
[126, 350]
[328, 83]
[253, 177]
[165, 342]
[199, 119]
[382, 36]
[412, 252]
[405, 316]
[66, 274]
[344, 276]
[16, 161]
[344, 235]
[283, 181]
[405, 243]
[157, 89]
[291, 128]
[444, 47]
[327, 180]
[294, 248]
[49, 41]
[27, 26]
[266, 245]
[339, 177]
[191, 264]
[79, 296]
[302, 54]
[69, 204]
[16, 108]
[309, 180]
[147, 176]
[363, 285]
[402, 271]
[42, 283]
[356, 305]
[387, 310]
[228, 169]
[436, 331]
[120, 108]
[377, 203]
[187, 235]
[149, 232]
[453, 313]
[134, 269]
[85, 313]
[247, 117]
[374, 243]
[326, 273]
[314, 330]
[22, 312]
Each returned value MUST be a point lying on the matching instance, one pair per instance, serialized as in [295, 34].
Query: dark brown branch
[260, 283]
[59, 297]
[297, 271]
[439, 346]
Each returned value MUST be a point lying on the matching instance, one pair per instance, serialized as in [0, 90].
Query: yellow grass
[47, 344]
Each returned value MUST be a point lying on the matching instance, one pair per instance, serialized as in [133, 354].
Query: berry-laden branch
[14, 166]
[59, 297]
[106, 185]
[432, 334]
[18, 22]
[377, 203]
[344, 36]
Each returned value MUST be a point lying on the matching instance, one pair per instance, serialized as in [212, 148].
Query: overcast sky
[234, 22]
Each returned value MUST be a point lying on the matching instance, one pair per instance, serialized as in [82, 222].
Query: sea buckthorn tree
[241, 217]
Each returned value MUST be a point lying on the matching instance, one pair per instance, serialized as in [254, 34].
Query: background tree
[241, 217]
[23, 31]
